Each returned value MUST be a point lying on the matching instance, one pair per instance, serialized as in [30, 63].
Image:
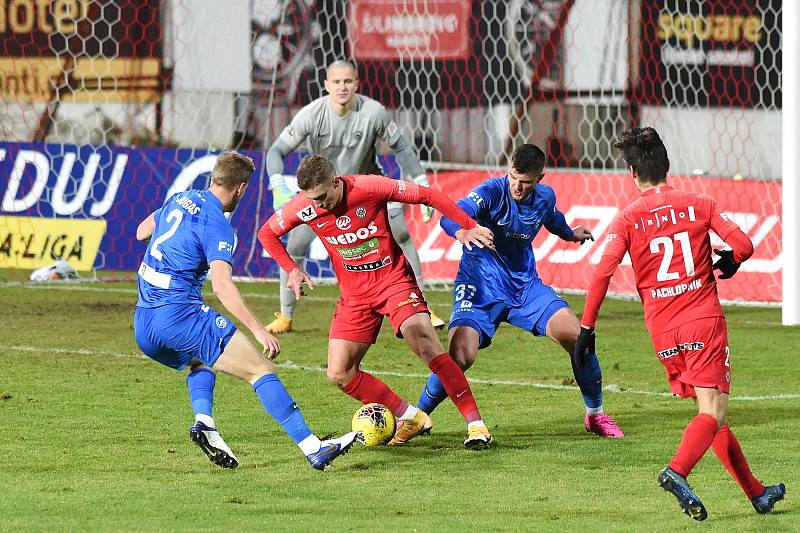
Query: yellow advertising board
[32, 242]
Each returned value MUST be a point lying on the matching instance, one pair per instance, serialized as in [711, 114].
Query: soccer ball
[376, 424]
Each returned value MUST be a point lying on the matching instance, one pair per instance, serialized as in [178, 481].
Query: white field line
[289, 365]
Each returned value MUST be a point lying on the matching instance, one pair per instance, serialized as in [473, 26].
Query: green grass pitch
[95, 436]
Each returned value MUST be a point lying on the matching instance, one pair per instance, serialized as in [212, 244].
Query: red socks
[697, 438]
[366, 388]
[727, 449]
[452, 377]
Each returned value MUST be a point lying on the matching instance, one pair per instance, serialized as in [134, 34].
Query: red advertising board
[431, 29]
[593, 200]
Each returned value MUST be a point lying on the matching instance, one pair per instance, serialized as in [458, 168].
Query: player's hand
[280, 195]
[478, 236]
[427, 213]
[726, 264]
[581, 234]
[296, 279]
[584, 345]
[271, 346]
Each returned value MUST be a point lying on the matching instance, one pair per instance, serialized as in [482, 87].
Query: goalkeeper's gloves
[280, 192]
[426, 210]
[584, 345]
[726, 264]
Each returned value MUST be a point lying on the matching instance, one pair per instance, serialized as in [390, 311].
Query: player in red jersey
[349, 214]
[666, 233]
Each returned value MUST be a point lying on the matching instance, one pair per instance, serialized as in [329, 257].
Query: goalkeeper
[344, 127]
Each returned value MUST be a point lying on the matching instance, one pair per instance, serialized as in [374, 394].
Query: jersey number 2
[175, 215]
[669, 249]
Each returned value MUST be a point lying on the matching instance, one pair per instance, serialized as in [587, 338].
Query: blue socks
[432, 394]
[201, 390]
[280, 406]
[590, 381]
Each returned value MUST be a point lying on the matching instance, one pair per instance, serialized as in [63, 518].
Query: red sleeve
[741, 244]
[616, 247]
[279, 224]
[731, 233]
[409, 192]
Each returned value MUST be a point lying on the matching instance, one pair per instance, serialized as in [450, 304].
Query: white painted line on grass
[289, 365]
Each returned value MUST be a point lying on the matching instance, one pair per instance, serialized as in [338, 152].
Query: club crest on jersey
[343, 222]
[361, 212]
[307, 213]
[221, 322]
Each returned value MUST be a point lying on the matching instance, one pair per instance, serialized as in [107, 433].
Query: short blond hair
[232, 169]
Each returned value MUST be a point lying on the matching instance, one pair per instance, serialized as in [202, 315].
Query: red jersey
[666, 233]
[356, 232]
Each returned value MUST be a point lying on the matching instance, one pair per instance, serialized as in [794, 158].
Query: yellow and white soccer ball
[376, 424]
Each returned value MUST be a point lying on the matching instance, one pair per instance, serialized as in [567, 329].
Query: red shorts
[359, 319]
[695, 355]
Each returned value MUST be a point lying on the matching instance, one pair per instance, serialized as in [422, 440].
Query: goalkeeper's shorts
[173, 335]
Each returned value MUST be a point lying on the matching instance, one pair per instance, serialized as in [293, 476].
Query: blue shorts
[483, 310]
[173, 335]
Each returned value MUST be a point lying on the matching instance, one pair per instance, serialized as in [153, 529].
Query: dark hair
[232, 169]
[528, 159]
[314, 170]
[644, 151]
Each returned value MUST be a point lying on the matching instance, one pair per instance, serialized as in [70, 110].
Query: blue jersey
[191, 231]
[512, 268]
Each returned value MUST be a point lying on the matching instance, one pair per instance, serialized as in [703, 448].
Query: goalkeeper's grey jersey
[349, 141]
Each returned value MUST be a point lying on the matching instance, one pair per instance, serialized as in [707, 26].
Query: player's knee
[462, 356]
[338, 377]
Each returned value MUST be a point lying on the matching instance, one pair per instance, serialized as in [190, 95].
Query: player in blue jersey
[502, 286]
[190, 236]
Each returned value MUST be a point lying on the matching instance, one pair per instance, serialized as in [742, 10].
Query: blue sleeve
[476, 202]
[556, 223]
[218, 241]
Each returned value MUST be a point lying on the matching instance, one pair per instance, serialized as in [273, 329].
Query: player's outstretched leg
[727, 449]
[673, 482]
[201, 381]
[280, 406]
[366, 388]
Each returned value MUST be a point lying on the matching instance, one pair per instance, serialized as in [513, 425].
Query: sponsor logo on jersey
[225, 246]
[307, 213]
[681, 347]
[512, 235]
[413, 299]
[290, 131]
[321, 224]
[352, 237]
[392, 128]
[360, 250]
[475, 197]
[361, 212]
[401, 186]
[374, 265]
[221, 322]
[343, 222]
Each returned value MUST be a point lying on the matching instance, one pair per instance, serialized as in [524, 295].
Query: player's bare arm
[228, 294]
[295, 282]
[146, 228]
[477, 236]
[581, 234]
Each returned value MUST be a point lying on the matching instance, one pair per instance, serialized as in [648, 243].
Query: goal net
[109, 107]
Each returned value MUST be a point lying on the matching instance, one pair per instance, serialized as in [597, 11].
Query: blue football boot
[675, 483]
[331, 449]
[763, 504]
